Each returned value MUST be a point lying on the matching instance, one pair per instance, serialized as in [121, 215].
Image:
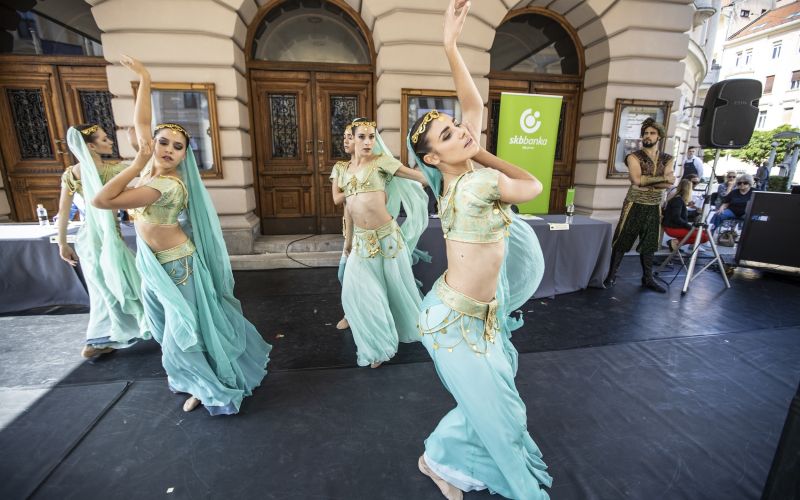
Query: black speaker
[729, 114]
[784, 477]
[771, 234]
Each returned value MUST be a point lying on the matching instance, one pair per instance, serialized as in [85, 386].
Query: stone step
[300, 243]
[280, 261]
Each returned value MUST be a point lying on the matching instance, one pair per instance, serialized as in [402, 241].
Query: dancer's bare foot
[191, 404]
[90, 351]
[449, 491]
[376, 364]
[342, 324]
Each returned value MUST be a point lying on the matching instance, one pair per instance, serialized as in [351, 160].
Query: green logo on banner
[526, 137]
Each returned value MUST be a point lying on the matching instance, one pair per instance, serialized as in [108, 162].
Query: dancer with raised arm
[209, 350]
[493, 262]
[116, 314]
[339, 168]
[379, 293]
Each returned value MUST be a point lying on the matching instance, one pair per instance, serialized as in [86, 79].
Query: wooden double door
[564, 162]
[40, 98]
[298, 121]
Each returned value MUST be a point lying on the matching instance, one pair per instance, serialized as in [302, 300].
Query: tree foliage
[758, 149]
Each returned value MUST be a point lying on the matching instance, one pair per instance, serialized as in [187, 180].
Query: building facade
[768, 49]
[282, 76]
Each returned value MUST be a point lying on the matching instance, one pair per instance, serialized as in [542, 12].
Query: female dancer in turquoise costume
[379, 294]
[493, 262]
[209, 350]
[347, 222]
[116, 314]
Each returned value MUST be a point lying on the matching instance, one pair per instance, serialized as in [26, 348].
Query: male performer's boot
[647, 274]
[616, 260]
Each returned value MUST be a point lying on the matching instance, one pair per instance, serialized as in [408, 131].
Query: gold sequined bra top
[372, 177]
[73, 184]
[471, 210]
[165, 210]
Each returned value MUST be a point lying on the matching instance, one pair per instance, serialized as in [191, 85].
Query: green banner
[526, 137]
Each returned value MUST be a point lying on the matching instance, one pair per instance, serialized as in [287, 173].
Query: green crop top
[165, 210]
[372, 177]
[471, 210]
[73, 184]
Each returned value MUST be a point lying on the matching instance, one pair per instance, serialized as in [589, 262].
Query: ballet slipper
[449, 491]
[342, 324]
[90, 351]
[191, 404]
[376, 364]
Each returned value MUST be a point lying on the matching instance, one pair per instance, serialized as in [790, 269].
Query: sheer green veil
[115, 265]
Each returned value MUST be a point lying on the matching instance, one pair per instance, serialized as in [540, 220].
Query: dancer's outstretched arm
[142, 111]
[114, 194]
[411, 173]
[468, 95]
[516, 184]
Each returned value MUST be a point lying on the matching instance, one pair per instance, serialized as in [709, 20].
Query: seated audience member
[734, 204]
[726, 187]
[676, 223]
[694, 206]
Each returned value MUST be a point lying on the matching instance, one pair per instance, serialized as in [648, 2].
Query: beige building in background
[623, 49]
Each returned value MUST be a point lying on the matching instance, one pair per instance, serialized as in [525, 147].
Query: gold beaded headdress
[90, 130]
[172, 126]
[364, 123]
[429, 117]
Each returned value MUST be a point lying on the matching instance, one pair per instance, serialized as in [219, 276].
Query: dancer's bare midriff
[368, 209]
[160, 236]
[473, 268]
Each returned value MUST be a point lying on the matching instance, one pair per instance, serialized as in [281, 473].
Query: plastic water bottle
[570, 213]
[41, 214]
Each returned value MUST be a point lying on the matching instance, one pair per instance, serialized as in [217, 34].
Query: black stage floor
[630, 395]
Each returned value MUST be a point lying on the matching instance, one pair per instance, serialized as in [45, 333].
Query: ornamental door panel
[285, 163]
[87, 99]
[340, 98]
[38, 103]
[298, 121]
[31, 128]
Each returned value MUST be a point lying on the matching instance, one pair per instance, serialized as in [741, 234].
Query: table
[33, 274]
[574, 259]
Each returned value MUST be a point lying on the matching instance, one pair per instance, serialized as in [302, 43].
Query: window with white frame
[738, 58]
[776, 50]
[762, 119]
[745, 13]
[747, 56]
[795, 80]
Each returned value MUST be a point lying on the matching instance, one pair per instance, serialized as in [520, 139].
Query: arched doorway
[311, 71]
[536, 51]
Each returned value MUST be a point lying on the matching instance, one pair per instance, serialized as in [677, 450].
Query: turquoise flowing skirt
[227, 357]
[112, 323]
[483, 442]
[379, 295]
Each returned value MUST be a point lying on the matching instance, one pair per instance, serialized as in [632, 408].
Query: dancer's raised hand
[134, 65]
[454, 18]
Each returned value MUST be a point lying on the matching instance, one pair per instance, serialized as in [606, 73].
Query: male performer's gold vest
[648, 195]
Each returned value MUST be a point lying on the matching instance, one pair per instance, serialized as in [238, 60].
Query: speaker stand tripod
[700, 228]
